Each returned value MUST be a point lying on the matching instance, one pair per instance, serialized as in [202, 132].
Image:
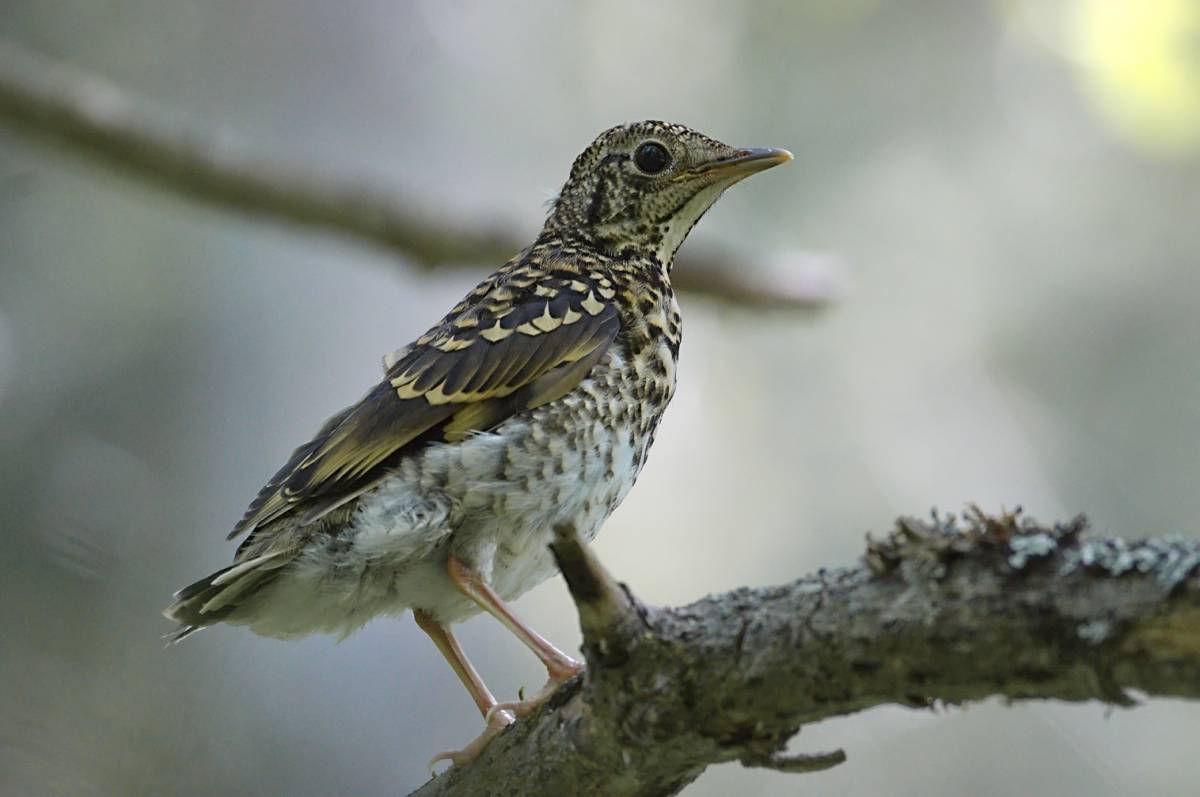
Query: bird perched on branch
[532, 403]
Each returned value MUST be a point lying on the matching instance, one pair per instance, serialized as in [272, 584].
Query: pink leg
[559, 666]
[497, 720]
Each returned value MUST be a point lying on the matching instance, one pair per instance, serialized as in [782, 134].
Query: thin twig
[55, 103]
[610, 614]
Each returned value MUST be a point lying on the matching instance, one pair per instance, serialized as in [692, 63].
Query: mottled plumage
[532, 402]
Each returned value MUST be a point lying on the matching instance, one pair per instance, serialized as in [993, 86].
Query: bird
[532, 403]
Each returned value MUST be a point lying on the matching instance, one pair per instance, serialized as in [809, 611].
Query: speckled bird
[533, 402]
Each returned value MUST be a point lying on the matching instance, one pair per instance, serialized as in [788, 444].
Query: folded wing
[499, 353]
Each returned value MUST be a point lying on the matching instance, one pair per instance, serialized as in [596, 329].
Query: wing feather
[498, 355]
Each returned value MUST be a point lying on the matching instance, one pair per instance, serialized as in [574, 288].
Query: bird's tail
[213, 598]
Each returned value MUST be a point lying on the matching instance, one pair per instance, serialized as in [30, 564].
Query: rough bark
[90, 117]
[938, 612]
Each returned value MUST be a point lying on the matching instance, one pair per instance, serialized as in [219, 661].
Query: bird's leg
[497, 719]
[559, 666]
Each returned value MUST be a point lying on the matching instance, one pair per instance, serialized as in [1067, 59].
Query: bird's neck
[649, 261]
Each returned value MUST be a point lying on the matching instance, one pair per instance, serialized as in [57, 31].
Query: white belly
[492, 499]
[504, 506]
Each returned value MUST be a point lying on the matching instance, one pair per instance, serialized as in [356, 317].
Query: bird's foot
[527, 705]
[497, 720]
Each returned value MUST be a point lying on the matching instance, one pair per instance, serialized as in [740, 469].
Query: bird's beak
[740, 164]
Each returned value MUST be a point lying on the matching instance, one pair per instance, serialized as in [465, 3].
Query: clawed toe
[497, 720]
[526, 706]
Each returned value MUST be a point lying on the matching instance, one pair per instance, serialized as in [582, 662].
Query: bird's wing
[499, 352]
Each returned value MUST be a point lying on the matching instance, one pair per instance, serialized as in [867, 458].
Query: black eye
[652, 157]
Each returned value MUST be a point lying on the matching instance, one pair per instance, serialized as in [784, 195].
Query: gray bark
[939, 612]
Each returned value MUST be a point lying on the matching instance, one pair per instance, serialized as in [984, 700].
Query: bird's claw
[497, 721]
[528, 705]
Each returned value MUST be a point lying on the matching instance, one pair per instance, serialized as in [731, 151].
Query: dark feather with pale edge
[502, 350]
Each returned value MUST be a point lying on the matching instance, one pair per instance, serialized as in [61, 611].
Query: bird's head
[645, 185]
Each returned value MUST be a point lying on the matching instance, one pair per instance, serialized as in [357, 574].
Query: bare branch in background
[939, 612]
[50, 101]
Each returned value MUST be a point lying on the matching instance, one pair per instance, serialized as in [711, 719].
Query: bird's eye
[652, 157]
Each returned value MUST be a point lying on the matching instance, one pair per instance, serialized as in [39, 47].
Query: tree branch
[942, 611]
[52, 102]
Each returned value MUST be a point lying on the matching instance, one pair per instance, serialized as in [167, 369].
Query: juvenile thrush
[533, 402]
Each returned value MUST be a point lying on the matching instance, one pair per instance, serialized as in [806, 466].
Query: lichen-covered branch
[939, 612]
[88, 116]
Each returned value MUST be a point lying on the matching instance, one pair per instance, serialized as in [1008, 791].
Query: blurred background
[1006, 193]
